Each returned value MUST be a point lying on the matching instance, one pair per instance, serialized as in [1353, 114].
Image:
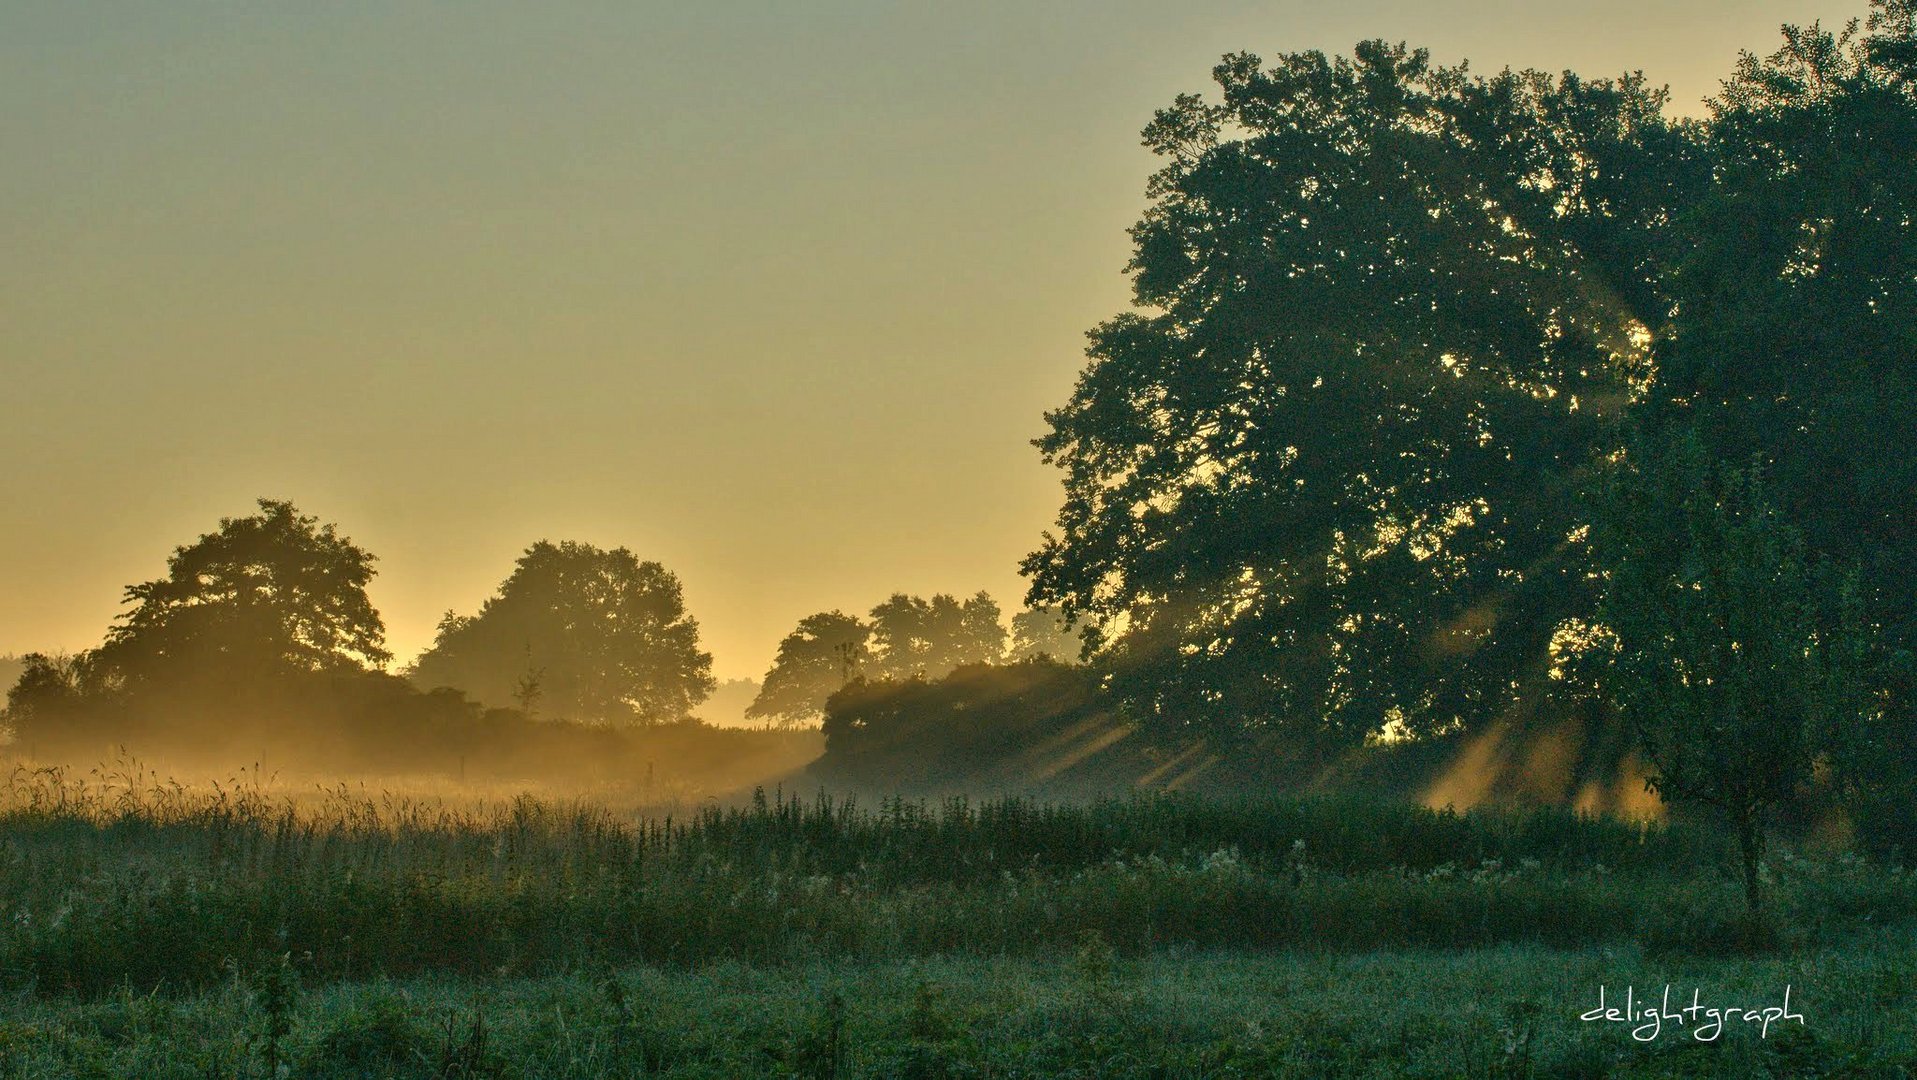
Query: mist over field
[528, 554]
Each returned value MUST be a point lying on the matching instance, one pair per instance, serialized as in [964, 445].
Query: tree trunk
[1750, 843]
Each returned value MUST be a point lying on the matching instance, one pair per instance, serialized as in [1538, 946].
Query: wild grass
[1501, 1012]
[111, 885]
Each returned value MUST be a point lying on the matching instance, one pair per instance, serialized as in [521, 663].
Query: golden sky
[772, 293]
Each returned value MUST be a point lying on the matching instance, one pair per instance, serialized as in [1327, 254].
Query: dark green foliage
[1326, 477]
[590, 634]
[376, 1036]
[980, 727]
[1385, 1015]
[465, 1050]
[818, 1052]
[1794, 333]
[275, 989]
[1388, 311]
[1737, 663]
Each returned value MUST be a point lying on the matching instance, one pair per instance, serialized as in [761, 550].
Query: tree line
[273, 607]
[905, 639]
[1445, 401]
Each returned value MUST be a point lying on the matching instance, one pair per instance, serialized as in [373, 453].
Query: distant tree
[606, 635]
[902, 630]
[821, 655]
[45, 696]
[981, 636]
[1044, 632]
[10, 669]
[1387, 313]
[272, 593]
[916, 638]
[1735, 660]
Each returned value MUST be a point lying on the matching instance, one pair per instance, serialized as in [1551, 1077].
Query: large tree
[1387, 311]
[1795, 334]
[272, 592]
[46, 697]
[599, 634]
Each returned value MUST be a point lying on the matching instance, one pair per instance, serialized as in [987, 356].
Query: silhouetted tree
[607, 636]
[821, 655]
[1387, 312]
[1044, 632]
[1736, 661]
[916, 638]
[273, 593]
[45, 697]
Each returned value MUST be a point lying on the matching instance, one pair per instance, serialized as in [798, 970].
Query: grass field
[154, 931]
[1502, 1011]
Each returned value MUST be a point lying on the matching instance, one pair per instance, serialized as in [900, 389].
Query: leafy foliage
[1389, 315]
[1733, 658]
[916, 638]
[247, 619]
[269, 593]
[1045, 632]
[46, 695]
[1794, 333]
[366, 887]
[1388, 311]
[1384, 1016]
[599, 634]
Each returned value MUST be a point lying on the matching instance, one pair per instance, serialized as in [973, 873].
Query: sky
[775, 294]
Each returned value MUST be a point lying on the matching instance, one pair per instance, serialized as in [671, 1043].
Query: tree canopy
[818, 657]
[592, 634]
[906, 638]
[1793, 333]
[274, 591]
[1387, 311]
[1391, 318]
[916, 638]
[1045, 633]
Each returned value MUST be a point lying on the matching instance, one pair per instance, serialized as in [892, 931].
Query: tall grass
[114, 881]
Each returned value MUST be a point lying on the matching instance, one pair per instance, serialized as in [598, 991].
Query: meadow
[153, 930]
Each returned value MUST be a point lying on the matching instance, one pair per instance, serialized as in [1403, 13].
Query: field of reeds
[231, 932]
